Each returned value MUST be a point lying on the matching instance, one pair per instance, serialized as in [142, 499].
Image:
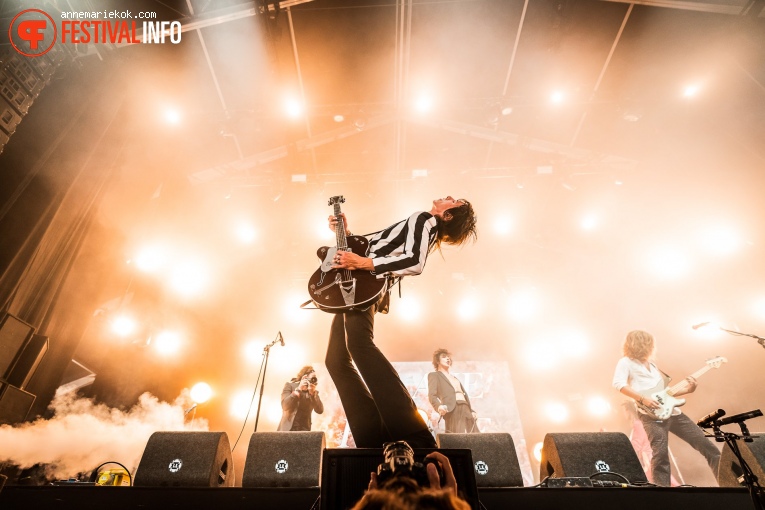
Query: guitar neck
[679, 386]
[342, 241]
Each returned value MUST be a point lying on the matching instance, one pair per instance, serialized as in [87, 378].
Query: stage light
[721, 240]
[189, 277]
[293, 108]
[172, 116]
[589, 221]
[291, 308]
[338, 118]
[708, 329]
[423, 103]
[668, 263]
[409, 308]
[598, 406]
[123, 325]
[245, 233]
[240, 404]
[522, 305]
[556, 412]
[557, 97]
[503, 225]
[538, 451]
[201, 392]
[167, 342]
[150, 259]
[691, 90]
[253, 350]
[324, 232]
[468, 308]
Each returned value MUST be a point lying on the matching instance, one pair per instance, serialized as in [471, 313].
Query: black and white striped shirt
[402, 248]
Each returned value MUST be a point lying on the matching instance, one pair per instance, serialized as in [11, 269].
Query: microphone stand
[266, 351]
[759, 339]
[748, 477]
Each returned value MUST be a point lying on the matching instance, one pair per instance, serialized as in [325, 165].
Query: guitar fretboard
[340, 229]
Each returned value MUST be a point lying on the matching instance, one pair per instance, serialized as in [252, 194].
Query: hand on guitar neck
[347, 259]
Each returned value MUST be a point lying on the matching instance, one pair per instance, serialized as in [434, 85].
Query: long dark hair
[457, 230]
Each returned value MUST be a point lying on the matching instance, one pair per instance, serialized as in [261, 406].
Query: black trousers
[684, 428]
[377, 404]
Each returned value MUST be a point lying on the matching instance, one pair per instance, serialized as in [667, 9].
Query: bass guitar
[665, 396]
[344, 290]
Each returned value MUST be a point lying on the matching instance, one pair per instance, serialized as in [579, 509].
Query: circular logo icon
[481, 467]
[32, 32]
[282, 467]
[601, 466]
[175, 465]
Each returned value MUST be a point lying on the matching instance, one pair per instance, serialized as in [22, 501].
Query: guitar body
[343, 290]
[667, 402]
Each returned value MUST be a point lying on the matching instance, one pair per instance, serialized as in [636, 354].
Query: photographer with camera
[403, 484]
[299, 399]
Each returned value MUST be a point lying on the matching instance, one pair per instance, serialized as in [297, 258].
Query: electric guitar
[344, 290]
[665, 396]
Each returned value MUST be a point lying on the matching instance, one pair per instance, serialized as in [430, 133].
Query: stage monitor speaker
[583, 454]
[754, 455]
[345, 474]
[14, 404]
[13, 336]
[186, 459]
[284, 459]
[494, 457]
[28, 361]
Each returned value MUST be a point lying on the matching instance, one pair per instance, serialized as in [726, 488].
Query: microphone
[700, 325]
[281, 338]
[711, 418]
[739, 418]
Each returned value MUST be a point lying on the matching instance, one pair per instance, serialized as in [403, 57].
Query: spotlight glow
[691, 90]
[240, 404]
[189, 278]
[589, 221]
[201, 392]
[167, 342]
[291, 309]
[124, 325]
[574, 344]
[556, 412]
[252, 350]
[245, 233]
[172, 116]
[538, 451]
[150, 259]
[293, 108]
[423, 103]
[503, 225]
[557, 97]
[409, 308]
[758, 308]
[468, 309]
[668, 263]
[598, 406]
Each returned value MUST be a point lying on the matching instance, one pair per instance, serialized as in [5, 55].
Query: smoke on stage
[83, 434]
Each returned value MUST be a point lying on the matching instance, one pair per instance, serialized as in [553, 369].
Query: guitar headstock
[716, 362]
[336, 200]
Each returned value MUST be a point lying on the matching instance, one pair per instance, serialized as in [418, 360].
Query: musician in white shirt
[378, 407]
[635, 374]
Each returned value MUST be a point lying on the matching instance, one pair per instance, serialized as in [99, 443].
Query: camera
[313, 380]
[399, 462]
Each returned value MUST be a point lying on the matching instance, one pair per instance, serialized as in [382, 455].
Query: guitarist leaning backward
[635, 374]
[382, 410]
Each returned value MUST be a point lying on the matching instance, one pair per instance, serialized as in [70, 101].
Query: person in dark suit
[299, 399]
[448, 397]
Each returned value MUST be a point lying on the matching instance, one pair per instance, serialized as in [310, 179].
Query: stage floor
[151, 498]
